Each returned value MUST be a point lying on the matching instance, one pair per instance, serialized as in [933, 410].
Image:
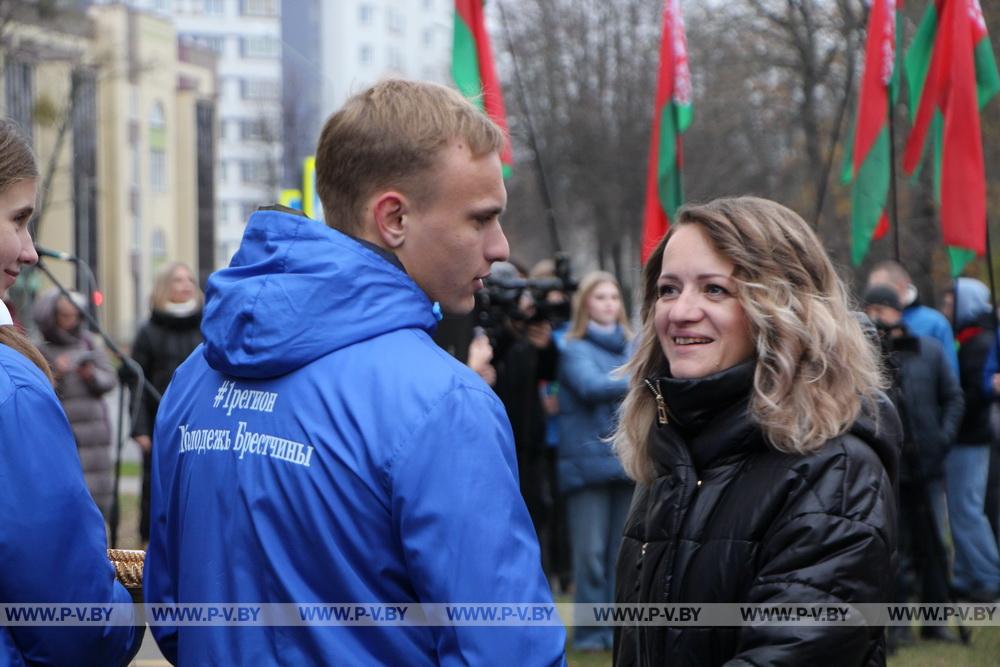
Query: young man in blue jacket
[319, 447]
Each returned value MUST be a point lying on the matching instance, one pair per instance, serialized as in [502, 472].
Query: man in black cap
[930, 404]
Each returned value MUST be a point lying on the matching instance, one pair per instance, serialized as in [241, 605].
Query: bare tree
[774, 94]
[587, 70]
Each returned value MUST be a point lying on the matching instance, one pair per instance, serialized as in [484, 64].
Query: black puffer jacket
[730, 520]
[161, 345]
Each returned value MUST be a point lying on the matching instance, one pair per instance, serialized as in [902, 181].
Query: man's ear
[389, 210]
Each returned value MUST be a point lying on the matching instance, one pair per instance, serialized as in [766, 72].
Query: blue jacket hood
[284, 274]
[972, 302]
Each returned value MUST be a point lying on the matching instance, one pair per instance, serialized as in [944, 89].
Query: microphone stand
[134, 369]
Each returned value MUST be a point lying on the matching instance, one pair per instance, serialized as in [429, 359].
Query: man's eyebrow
[491, 211]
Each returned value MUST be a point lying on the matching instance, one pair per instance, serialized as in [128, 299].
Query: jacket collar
[169, 321]
[709, 419]
[613, 341]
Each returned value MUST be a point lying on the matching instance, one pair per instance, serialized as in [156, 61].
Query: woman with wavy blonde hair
[762, 444]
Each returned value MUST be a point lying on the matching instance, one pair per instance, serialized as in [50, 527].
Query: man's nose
[497, 248]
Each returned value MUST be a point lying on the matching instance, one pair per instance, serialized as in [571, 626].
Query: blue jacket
[991, 368]
[922, 320]
[367, 466]
[588, 399]
[52, 543]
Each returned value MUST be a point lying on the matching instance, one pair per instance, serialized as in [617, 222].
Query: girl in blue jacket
[596, 488]
[52, 543]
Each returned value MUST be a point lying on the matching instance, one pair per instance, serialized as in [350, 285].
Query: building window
[259, 7]
[257, 129]
[158, 246]
[428, 36]
[253, 172]
[395, 21]
[215, 7]
[260, 89]
[215, 43]
[428, 4]
[162, 6]
[366, 14]
[158, 149]
[260, 46]
[19, 93]
[158, 171]
[365, 54]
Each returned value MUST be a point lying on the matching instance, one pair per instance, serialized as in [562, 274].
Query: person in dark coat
[977, 559]
[525, 357]
[596, 489]
[163, 342]
[930, 404]
[762, 444]
[83, 374]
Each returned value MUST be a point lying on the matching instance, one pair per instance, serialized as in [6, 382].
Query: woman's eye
[716, 290]
[666, 290]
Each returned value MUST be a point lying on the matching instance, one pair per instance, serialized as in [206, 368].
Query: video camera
[507, 298]
[499, 306]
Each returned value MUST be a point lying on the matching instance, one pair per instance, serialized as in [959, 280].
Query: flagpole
[543, 181]
[893, 201]
[993, 289]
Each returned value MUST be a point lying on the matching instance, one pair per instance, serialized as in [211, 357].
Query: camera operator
[525, 355]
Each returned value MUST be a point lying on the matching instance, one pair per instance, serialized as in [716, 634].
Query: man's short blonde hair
[389, 136]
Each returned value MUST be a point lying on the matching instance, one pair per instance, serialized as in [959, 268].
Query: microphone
[54, 254]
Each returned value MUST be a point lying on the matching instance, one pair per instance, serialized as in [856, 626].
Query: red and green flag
[952, 74]
[671, 117]
[473, 70]
[868, 160]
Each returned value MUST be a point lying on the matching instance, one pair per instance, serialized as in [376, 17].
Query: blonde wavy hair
[581, 314]
[815, 368]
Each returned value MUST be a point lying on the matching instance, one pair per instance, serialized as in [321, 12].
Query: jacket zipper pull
[661, 405]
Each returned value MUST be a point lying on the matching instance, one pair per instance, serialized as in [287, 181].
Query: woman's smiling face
[17, 203]
[699, 321]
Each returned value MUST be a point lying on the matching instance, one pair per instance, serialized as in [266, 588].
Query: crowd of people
[756, 439]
